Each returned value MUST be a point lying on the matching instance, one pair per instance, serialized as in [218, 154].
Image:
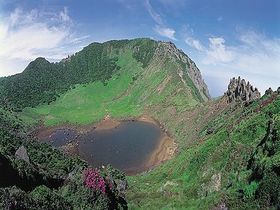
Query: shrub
[45, 198]
[250, 190]
[94, 180]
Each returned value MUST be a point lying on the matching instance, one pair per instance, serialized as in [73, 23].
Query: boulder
[209, 131]
[278, 90]
[21, 153]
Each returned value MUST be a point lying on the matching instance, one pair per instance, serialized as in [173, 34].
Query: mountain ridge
[79, 68]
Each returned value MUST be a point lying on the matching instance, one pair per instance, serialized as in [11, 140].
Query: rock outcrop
[240, 91]
[21, 153]
[269, 91]
[188, 69]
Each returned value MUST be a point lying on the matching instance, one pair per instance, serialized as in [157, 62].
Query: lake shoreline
[164, 150]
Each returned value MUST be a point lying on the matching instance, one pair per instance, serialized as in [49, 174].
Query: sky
[225, 38]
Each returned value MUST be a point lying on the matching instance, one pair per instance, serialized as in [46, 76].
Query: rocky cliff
[188, 69]
[241, 91]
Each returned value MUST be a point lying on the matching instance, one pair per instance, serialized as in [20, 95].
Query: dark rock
[209, 131]
[269, 91]
[8, 175]
[21, 153]
[240, 91]
[278, 90]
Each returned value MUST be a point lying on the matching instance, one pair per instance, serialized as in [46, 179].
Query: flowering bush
[94, 180]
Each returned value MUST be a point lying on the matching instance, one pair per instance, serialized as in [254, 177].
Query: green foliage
[114, 173]
[91, 102]
[195, 92]
[42, 81]
[237, 133]
[143, 50]
[250, 190]
[51, 180]
[14, 198]
[265, 162]
[44, 198]
[269, 190]
[236, 165]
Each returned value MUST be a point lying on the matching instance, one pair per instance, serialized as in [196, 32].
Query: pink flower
[94, 180]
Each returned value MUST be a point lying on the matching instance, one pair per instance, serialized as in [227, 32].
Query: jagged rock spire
[269, 91]
[240, 91]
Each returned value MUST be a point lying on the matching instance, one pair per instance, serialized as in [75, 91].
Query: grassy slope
[128, 93]
[90, 103]
[187, 179]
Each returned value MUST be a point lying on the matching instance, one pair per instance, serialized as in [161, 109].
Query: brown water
[126, 147]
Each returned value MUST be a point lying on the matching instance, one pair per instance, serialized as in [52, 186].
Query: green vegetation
[48, 179]
[235, 165]
[116, 78]
[127, 93]
[90, 103]
[42, 81]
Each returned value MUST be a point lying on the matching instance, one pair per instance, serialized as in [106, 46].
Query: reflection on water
[126, 147]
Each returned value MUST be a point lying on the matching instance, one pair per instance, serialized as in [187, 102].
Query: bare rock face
[240, 91]
[21, 153]
[190, 69]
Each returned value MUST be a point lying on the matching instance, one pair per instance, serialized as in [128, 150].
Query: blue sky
[224, 38]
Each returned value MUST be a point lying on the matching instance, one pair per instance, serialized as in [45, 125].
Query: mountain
[227, 154]
[42, 81]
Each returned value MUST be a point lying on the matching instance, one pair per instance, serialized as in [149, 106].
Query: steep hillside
[42, 81]
[228, 158]
[227, 149]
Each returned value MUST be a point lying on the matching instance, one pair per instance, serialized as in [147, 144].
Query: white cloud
[165, 32]
[256, 58]
[156, 17]
[194, 43]
[64, 15]
[25, 36]
[160, 28]
[217, 51]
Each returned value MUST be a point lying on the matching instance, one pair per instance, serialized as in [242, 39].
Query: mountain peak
[189, 68]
